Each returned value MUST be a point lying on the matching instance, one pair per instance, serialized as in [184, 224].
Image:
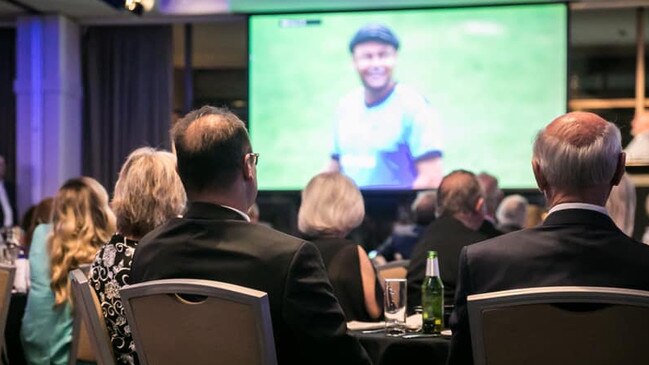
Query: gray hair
[571, 163]
[331, 205]
[512, 210]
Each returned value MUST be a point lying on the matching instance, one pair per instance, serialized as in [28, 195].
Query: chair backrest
[394, 269]
[560, 325]
[175, 321]
[94, 343]
[7, 273]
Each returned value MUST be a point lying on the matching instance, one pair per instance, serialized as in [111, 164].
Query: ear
[479, 206]
[541, 181]
[619, 171]
[248, 169]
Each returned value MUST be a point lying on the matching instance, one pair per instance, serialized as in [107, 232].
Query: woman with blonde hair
[148, 192]
[331, 207]
[81, 221]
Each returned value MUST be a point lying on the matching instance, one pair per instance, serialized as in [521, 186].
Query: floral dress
[110, 271]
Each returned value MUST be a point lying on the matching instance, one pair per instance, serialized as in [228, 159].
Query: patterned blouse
[110, 271]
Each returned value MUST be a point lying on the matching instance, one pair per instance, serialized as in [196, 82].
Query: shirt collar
[244, 215]
[564, 206]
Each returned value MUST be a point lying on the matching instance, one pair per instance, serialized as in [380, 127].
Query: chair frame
[4, 311]
[478, 303]
[256, 299]
[84, 299]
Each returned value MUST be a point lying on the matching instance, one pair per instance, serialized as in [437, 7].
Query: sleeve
[461, 351]
[425, 138]
[312, 312]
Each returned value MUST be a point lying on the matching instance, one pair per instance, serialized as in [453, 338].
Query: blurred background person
[8, 212]
[460, 208]
[81, 221]
[493, 197]
[638, 148]
[407, 231]
[535, 215]
[253, 213]
[148, 192]
[331, 207]
[512, 213]
[621, 205]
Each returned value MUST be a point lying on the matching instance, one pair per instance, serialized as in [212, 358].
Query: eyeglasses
[255, 157]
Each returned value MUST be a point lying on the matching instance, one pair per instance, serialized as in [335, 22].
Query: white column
[48, 106]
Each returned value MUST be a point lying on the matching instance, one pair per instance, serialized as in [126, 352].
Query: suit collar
[202, 210]
[585, 217]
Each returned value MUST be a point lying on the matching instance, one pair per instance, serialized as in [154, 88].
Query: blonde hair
[148, 192]
[331, 205]
[82, 221]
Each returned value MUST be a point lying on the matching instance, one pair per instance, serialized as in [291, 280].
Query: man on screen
[386, 135]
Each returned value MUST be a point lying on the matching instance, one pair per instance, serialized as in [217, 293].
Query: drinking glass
[395, 307]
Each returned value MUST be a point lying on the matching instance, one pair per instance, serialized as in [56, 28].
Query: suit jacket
[447, 236]
[10, 188]
[489, 229]
[215, 243]
[572, 247]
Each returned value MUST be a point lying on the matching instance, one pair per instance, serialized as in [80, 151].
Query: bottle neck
[432, 267]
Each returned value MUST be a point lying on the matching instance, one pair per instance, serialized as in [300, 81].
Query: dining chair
[7, 273]
[94, 342]
[394, 269]
[193, 321]
[560, 325]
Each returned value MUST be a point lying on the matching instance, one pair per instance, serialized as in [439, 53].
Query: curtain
[127, 95]
[8, 100]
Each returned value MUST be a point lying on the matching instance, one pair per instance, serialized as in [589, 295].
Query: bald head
[577, 150]
[458, 193]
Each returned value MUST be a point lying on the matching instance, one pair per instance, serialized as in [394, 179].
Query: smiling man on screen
[386, 135]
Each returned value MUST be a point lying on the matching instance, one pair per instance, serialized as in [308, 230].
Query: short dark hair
[374, 32]
[211, 144]
[458, 193]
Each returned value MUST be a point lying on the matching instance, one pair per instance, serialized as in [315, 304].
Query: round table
[386, 350]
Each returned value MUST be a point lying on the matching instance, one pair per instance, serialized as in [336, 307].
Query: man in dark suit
[215, 241]
[577, 159]
[7, 198]
[460, 204]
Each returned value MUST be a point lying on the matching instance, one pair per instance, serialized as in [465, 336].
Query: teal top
[46, 331]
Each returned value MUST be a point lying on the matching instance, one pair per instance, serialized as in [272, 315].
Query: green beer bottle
[432, 297]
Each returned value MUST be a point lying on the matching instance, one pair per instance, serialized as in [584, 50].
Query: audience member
[215, 241]
[41, 214]
[460, 206]
[638, 148]
[81, 221]
[493, 197]
[621, 205]
[331, 207]
[577, 158]
[512, 213]
[407, 232]
[148, 192]
[645, 236]
[8, 211]
[253, 213]
[535, 215]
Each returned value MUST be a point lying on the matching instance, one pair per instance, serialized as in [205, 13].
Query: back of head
[210, 144]
[331, 205]
[492, 192]
[578, 150]
[82, 222]
[148, 192]
[512, 211]
[424, 207]
[458, 193]
[621, 205]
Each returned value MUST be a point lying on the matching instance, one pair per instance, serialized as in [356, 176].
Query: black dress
[340, 257]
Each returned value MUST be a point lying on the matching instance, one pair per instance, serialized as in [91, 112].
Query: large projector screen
[381, 93]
